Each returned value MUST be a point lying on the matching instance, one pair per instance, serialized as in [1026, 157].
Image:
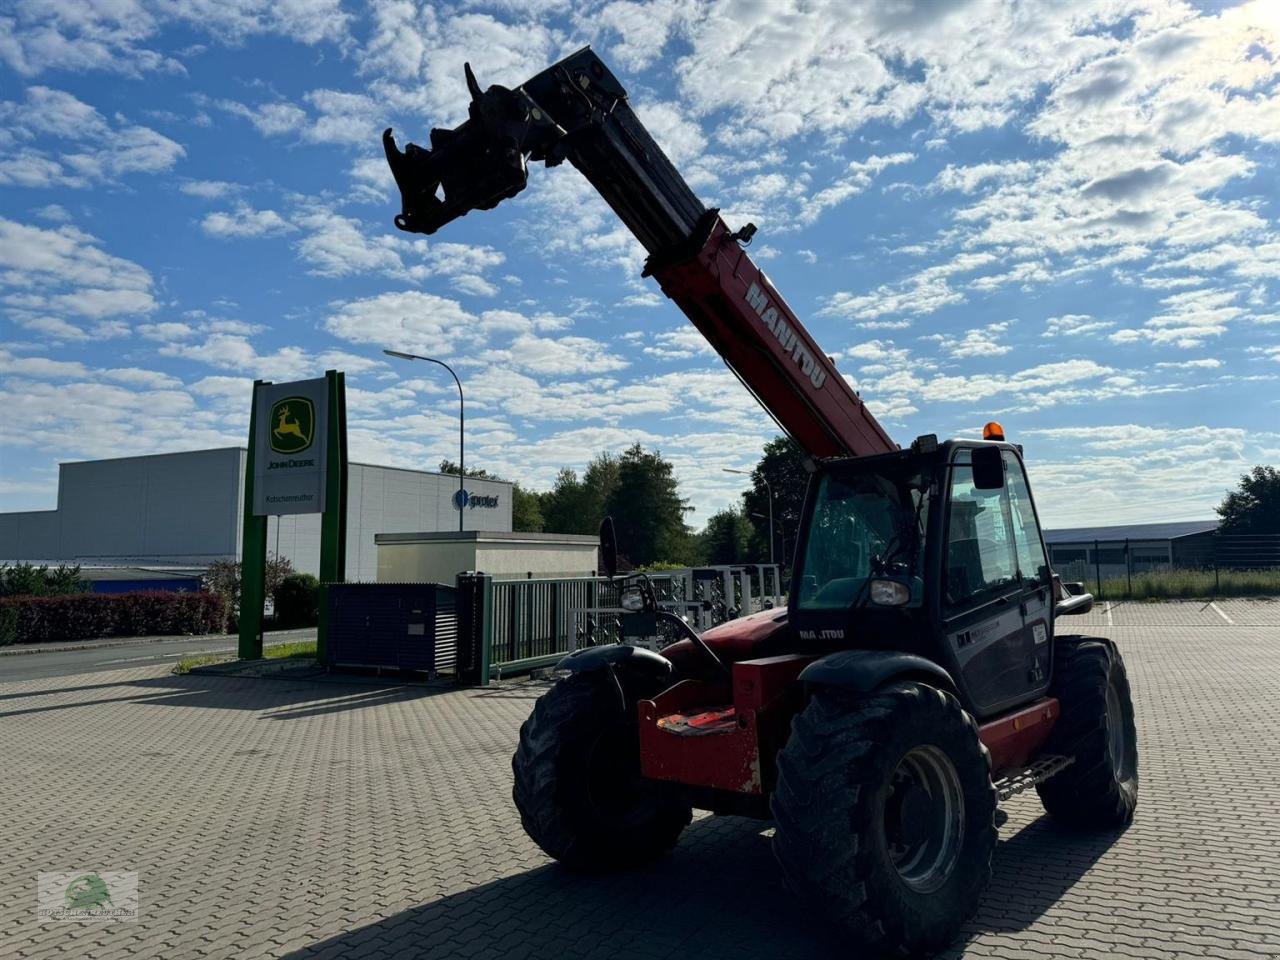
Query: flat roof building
[1134, 547]
[187, 510]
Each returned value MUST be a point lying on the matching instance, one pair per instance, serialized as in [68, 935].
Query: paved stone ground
[299, 820]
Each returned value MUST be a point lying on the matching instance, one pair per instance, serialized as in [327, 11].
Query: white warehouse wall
[188, 509]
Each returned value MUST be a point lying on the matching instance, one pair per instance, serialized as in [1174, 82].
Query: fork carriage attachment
[722, 745]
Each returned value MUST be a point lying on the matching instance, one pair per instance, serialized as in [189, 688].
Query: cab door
[989, 609]
[1033, 569]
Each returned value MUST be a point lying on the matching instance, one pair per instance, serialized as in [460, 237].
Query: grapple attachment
[474, 166]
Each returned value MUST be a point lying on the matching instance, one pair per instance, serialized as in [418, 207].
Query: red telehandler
[917, 675]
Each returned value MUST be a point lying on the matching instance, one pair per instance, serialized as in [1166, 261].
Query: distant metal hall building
[187, 510]
[1137, 547]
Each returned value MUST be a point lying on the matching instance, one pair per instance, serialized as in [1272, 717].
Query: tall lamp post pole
[460, 499]
[769, 490]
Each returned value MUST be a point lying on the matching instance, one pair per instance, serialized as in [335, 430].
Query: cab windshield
[862, 525]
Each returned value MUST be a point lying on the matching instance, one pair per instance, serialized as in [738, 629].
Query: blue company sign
[462, 500]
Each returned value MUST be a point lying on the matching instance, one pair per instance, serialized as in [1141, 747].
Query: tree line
[640, 490]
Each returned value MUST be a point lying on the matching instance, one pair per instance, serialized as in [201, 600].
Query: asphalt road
[62, 663]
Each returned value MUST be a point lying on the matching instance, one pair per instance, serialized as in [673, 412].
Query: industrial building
[1135, 547]
[179, 511]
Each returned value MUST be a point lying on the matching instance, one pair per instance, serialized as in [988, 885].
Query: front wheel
[1096, 728]
[885, 815]
[578, 785]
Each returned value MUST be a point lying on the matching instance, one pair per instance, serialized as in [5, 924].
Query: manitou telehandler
[916, 676]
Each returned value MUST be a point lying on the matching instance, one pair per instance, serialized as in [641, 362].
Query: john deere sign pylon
[297, 464]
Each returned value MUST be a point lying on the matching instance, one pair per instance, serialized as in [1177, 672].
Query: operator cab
[937, 551]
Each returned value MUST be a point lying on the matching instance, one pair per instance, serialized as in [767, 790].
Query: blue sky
[1063, 216]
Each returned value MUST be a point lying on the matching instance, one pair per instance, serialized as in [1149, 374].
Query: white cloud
[209, 189]
[243, 221]
[101, 150]
[1070, 324]
[985, 341]
[856, 178]
[679, 344]
[50, 278]
[119, 37]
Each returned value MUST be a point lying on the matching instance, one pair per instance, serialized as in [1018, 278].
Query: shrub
[297, 601]
[90, 615]
[26, 580]
[223, 578]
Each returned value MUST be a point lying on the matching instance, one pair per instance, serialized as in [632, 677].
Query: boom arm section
[576, 110]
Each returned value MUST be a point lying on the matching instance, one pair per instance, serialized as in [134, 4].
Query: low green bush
[297, 601]
[86, 616]
[28, 580]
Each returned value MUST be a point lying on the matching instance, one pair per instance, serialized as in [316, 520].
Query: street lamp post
[460, 499]
[769, 490]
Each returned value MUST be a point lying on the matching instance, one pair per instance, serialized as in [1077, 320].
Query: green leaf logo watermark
[87, 896]
[87, 892]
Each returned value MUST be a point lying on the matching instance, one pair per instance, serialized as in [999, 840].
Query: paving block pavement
[273, 818]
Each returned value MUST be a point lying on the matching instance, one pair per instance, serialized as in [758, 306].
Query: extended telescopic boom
[577, 110]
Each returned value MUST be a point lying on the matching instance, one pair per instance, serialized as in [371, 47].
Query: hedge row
[88, 615]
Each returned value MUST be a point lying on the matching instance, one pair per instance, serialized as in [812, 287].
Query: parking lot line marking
[1218, 611]
[1110, 622]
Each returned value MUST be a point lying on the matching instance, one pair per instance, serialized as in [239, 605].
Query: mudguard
[621, 655]
[861, 671]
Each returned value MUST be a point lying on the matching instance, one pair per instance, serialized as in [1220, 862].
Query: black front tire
[577, 781]
[1100, 789]
[840, 813]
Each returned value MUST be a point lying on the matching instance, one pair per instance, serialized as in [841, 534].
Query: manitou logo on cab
[786, 336]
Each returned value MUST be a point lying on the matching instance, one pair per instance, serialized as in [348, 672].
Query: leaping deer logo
[294, 419]
[285, 426]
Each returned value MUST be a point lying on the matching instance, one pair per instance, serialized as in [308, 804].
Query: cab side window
[981, 553]
[1032, 563]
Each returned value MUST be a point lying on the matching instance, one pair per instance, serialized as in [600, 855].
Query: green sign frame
[333, 519]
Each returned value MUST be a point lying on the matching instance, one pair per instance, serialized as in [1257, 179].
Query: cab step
[1024, 778]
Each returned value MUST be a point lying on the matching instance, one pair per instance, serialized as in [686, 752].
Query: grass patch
[1189, 585]
[294, 650]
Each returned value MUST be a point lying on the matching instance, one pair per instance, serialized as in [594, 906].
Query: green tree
[526, 510]
[727, 538]
[599, 482]
[578, 506]
[648, 511]
[451, 468]
[783, 466]
[565, 505]
[1255, 507]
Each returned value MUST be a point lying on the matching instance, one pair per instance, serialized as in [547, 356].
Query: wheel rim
[924, 818]
[1116, 745]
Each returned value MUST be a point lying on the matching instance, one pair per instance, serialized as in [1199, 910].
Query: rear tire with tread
[832, 806]
[577, 781]
[1100, 789]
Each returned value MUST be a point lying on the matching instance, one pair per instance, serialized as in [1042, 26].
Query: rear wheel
[885, 810]
[578, 785]
[1100, 789]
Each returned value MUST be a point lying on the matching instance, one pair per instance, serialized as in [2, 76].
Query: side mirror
[988, 468]
[608, 548]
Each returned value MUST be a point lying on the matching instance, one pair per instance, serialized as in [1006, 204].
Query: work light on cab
[993, 431]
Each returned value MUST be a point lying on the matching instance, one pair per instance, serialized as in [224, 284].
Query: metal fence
[508, 627]
[1125, 569]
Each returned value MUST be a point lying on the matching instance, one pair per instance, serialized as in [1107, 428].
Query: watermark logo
[86, 897]
[293, 424]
